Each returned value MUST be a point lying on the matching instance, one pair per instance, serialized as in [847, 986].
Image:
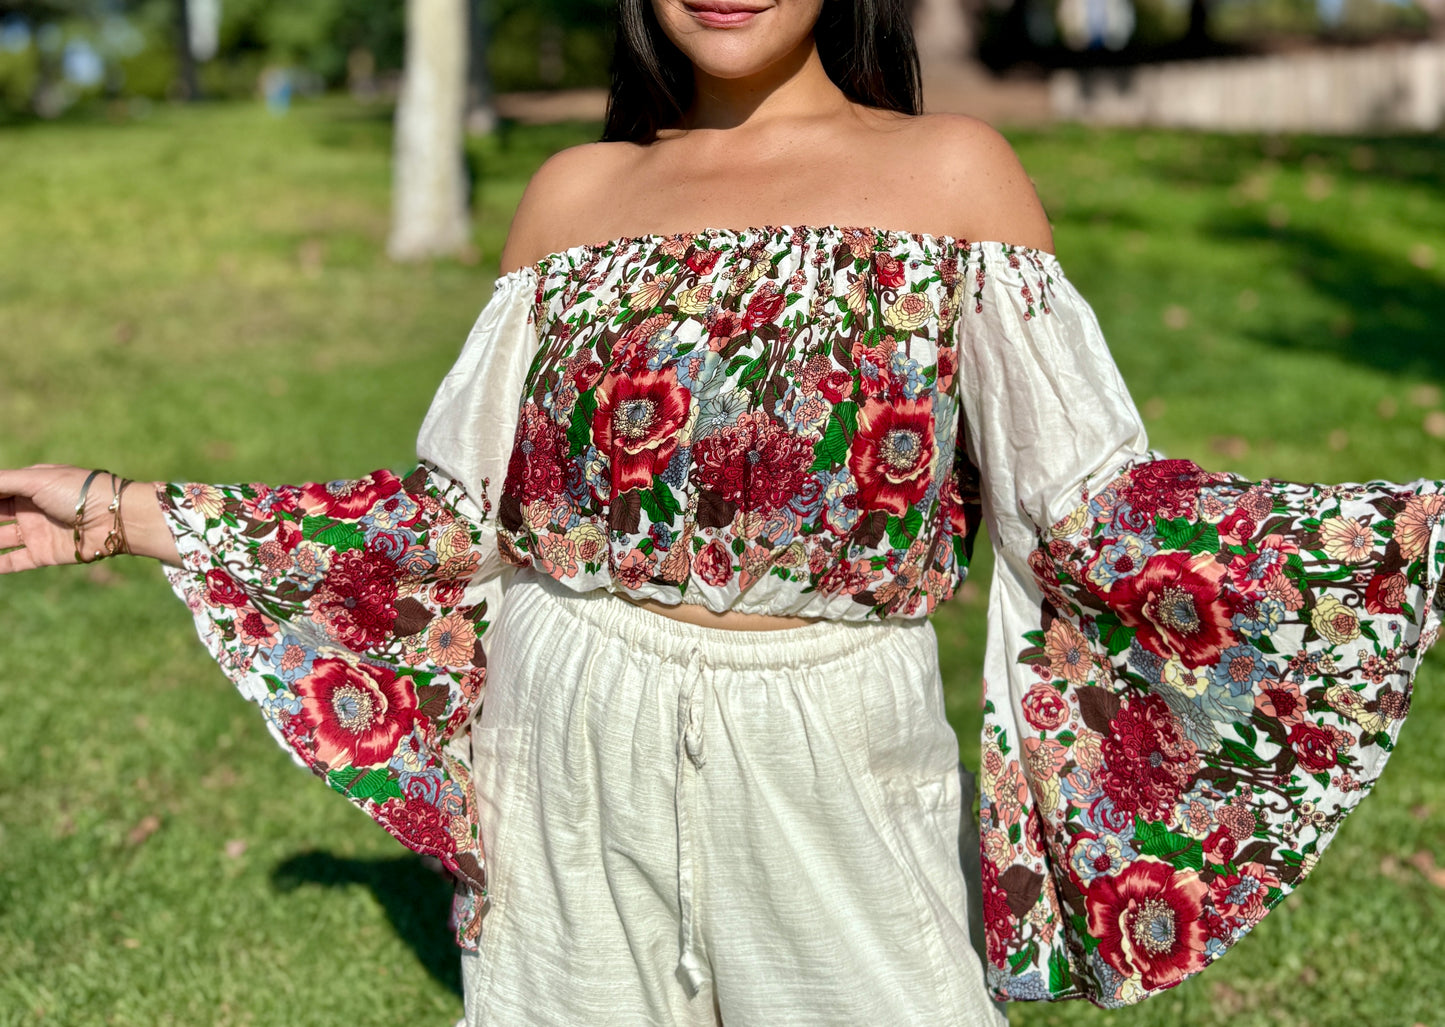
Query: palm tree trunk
[429, 190]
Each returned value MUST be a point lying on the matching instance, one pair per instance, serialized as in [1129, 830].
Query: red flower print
[874, 378]
[1045, 708]
[349, 500]
[356, 601]
[635, 569]
[1236, 527]
[764, 307]
[714, 563]
[836, 386]
[848, 578]
[702, 262]
[535, 469]
[947, 365]
[1166, 487]
[1178, 605]
[1280, 700]
[357, 713]
[961, 512]
[1147, 920]
[892, 453]
[418, 823]
[1147, 760]
[223, 590]
[636, 424]
[755, 463]
[724, 326]
[1313, 746]
[255, 628]
[1000, 925]
[889, 270]
[1385, 593]
[448, 593]
[288, 536]
[583, 371]
[1220, 846]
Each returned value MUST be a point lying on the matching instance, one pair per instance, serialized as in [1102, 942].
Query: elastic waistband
[811, 645]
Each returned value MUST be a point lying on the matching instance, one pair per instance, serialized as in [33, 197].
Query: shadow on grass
[1393, 309]
[416, 899]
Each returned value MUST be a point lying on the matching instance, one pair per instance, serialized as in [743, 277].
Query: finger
[10, 536]
[17, 560]
[23, 481]
[13, 483]
[7, 508]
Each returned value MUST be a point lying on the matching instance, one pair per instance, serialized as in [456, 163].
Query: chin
[736, 38]
[732, 58]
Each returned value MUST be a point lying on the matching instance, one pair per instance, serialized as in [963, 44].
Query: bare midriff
[730, 620]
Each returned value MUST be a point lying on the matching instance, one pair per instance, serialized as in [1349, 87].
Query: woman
[684, 503]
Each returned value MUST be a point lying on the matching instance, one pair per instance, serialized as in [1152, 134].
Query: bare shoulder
[552, 213]
[978, 181]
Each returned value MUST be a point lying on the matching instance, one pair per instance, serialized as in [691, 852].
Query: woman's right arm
[37, 518]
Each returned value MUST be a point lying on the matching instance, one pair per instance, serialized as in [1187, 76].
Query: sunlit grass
[202, 295]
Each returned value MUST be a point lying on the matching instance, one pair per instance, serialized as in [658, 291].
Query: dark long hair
[866, 47]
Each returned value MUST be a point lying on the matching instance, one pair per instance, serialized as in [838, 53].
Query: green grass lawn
[202, 295]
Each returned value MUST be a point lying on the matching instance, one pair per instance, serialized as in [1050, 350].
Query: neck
[794, 86]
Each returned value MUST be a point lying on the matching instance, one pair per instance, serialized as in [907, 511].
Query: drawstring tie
[690, 711]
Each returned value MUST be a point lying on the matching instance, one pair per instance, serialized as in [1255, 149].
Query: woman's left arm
[38, 510]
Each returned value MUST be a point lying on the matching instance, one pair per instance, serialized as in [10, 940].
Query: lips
[721, 13]
[721, 7]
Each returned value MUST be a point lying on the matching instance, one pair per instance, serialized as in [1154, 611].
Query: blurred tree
[40, 12]
[481, 112]
[1197, 35]
[44, 18]
[429, 195]
[188, 86]
[548, 44]
[319, 36]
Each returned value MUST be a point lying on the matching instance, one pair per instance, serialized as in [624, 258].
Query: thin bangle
[125, 483]
[115, 540]
[80, 516]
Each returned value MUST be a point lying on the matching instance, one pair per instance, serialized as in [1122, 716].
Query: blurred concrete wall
[1386, 88]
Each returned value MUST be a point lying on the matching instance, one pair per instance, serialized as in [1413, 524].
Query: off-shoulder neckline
[539, 267]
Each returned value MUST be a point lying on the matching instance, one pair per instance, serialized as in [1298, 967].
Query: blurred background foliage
[57, 55]
[1026, 35]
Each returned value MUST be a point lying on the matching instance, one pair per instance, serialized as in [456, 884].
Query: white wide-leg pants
[688, 825]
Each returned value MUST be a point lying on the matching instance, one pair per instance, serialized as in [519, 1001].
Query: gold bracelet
[120, 518]
[115, 541]
[80, 517]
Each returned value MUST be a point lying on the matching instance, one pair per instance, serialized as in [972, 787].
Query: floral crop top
[763, 419]
[1190, 678]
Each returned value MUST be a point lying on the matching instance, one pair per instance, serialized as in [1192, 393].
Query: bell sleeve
[355, 613]
[1190, 678]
